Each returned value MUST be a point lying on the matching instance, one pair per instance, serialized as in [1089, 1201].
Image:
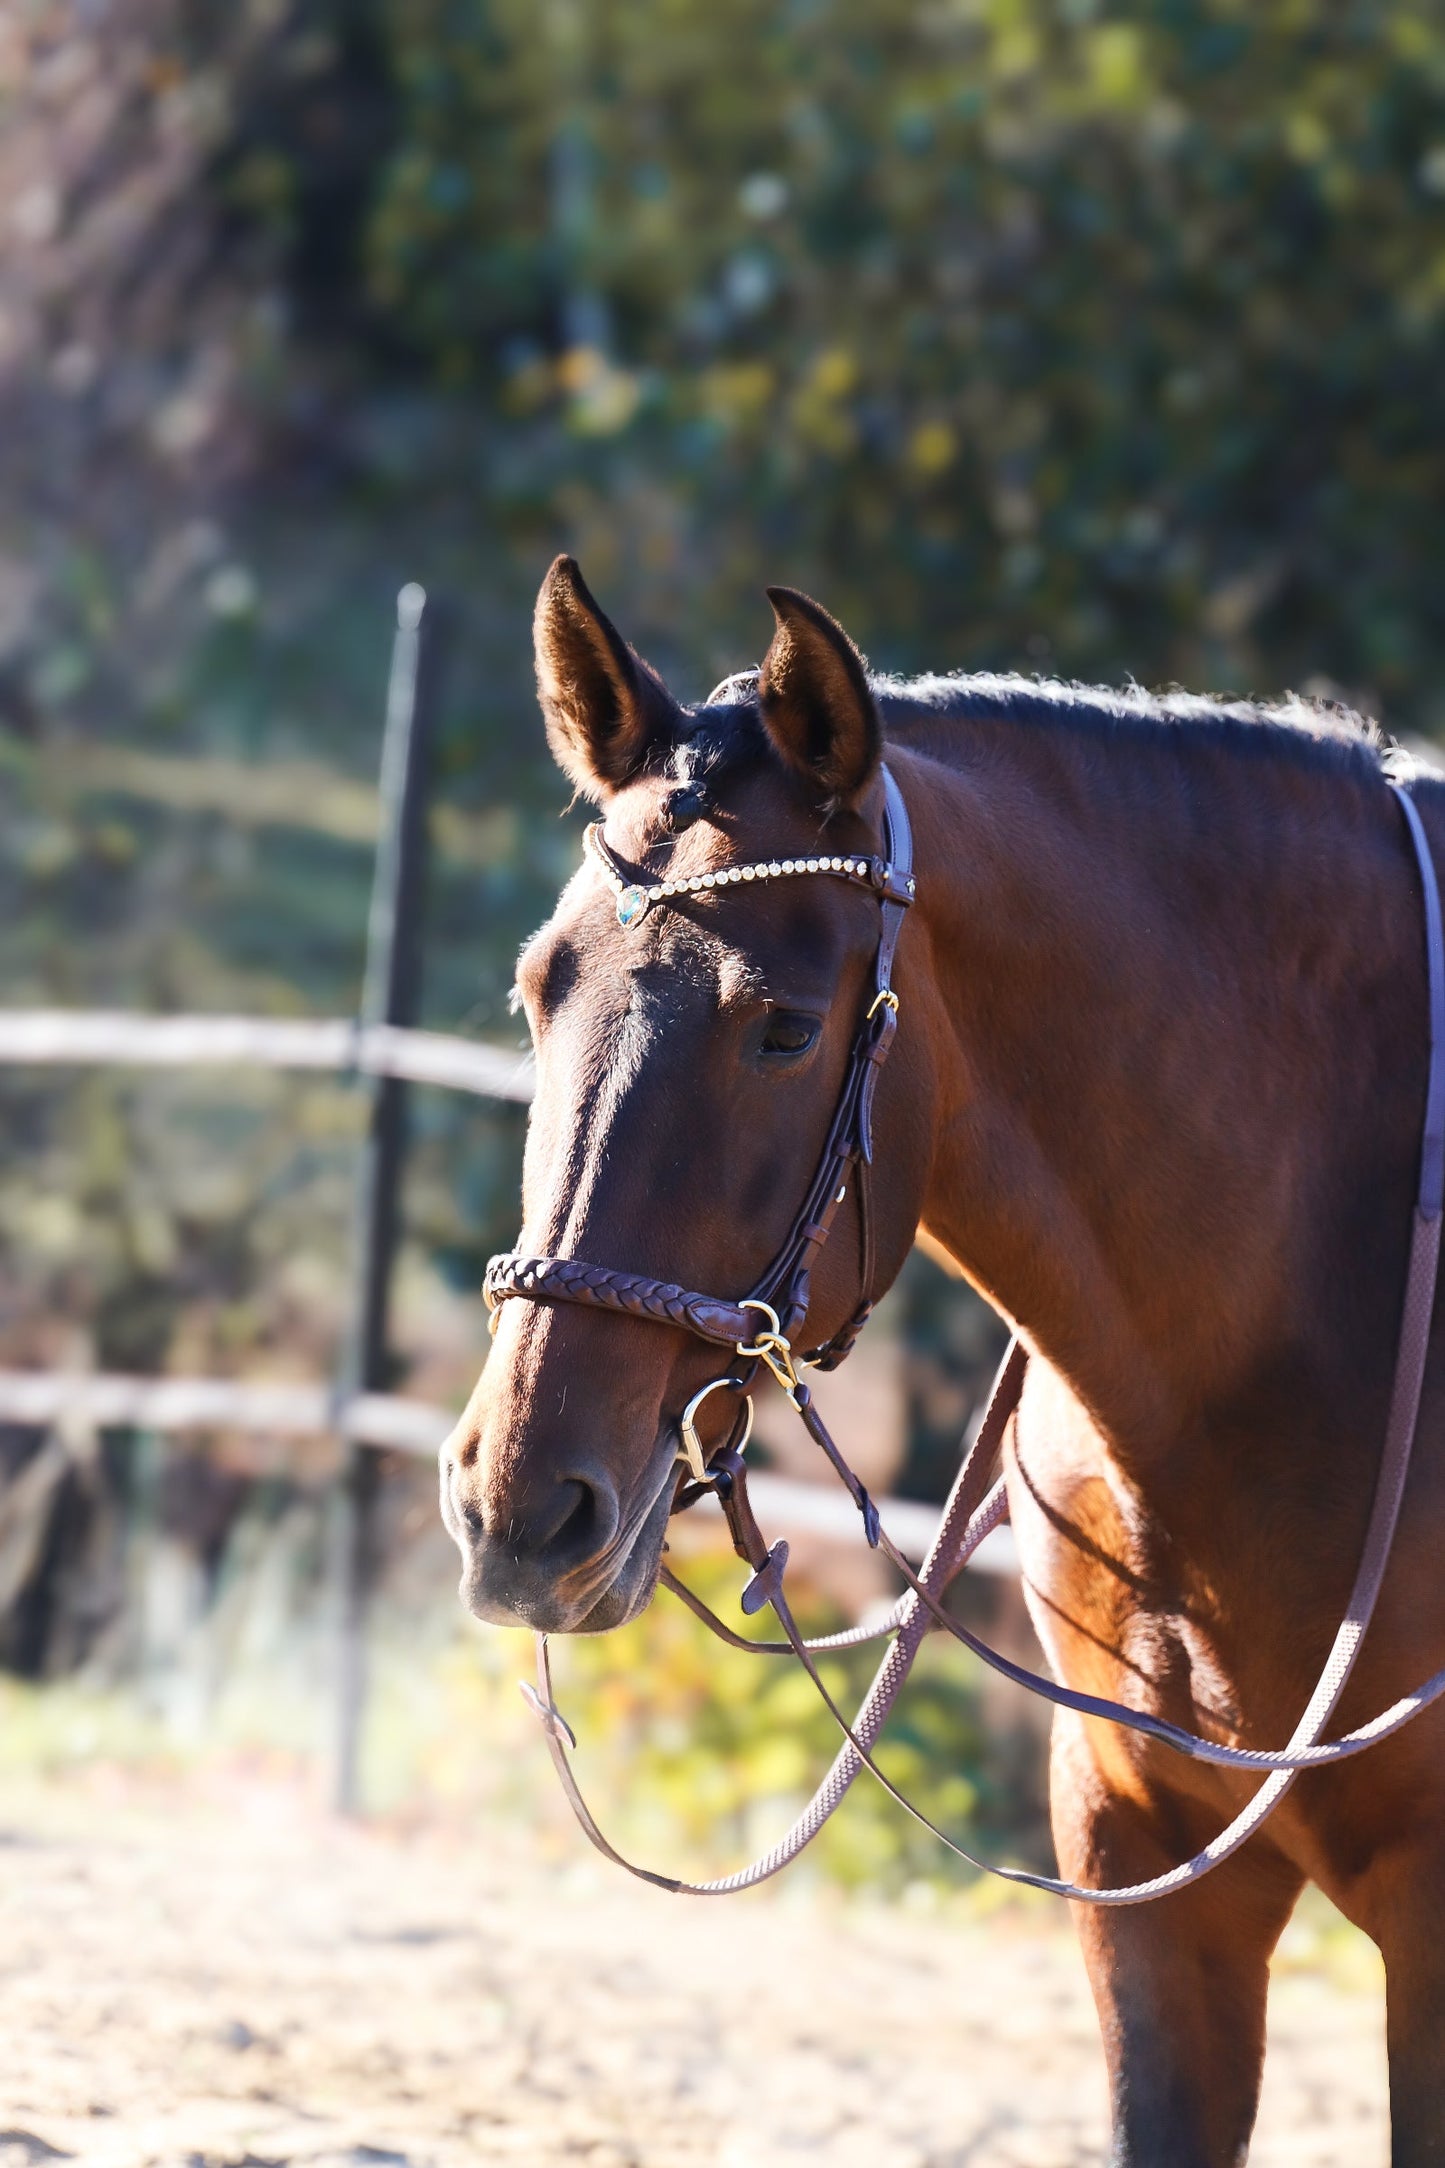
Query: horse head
[691, 1051]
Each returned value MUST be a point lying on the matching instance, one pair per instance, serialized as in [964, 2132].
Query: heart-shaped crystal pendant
[632, 906]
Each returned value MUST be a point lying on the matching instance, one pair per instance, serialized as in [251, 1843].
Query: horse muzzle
[570, 1560]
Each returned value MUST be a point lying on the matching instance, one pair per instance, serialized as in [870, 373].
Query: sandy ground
[232, 1981]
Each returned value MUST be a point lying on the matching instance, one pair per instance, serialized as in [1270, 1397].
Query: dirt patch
[234, 1982]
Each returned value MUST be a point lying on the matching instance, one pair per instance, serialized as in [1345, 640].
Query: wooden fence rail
[101, 1400]
[88, 1036]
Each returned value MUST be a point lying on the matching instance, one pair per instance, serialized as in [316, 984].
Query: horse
[1158, 1090]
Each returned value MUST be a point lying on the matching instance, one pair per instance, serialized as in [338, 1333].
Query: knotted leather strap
[630, 1294]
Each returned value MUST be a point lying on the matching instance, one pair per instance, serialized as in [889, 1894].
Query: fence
[185, 1042]
[382, 1049]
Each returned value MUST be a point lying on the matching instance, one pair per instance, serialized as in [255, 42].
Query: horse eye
[787, 1033]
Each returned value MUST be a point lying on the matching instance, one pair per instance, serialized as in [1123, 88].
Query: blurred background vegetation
[1062, 335]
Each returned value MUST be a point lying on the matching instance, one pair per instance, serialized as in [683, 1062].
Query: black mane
[1311, 729]
[725, 731]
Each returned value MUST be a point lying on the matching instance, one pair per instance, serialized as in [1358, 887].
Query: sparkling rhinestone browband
[636, 898]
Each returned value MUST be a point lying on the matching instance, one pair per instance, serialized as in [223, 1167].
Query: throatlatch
[760, 1329]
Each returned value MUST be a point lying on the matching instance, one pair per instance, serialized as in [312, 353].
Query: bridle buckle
[771, 1347]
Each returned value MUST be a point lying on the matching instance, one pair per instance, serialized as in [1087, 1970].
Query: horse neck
[1173, 980]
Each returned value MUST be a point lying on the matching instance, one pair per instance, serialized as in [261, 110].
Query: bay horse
[1158, 1090]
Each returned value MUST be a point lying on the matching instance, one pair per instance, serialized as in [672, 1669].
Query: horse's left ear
[815, 700]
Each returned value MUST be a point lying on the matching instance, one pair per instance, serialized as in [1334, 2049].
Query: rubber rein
[760, 1329]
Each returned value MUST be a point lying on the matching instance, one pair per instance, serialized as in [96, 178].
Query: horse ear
[604, 707]
[816, 703]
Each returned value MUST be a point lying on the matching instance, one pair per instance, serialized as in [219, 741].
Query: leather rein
[760, 1330]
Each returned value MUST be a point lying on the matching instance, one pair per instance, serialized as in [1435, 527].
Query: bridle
[763, 1324]
[760, 1329]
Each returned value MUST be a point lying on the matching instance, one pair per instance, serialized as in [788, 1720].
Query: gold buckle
[885, 998]
[771, 1347]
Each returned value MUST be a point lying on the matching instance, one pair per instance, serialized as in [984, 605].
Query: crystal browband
[636, 898]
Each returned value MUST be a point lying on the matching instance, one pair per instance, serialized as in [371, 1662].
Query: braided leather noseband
[978, 1501]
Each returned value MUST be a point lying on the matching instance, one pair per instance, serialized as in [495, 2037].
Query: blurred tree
[1084, 334]
[1029, 331]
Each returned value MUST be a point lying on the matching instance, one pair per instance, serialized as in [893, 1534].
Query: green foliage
[695, 1758]
[1100, 336]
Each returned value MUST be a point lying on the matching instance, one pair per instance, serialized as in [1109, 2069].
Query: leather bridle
[772, 1315]
[978, 1501]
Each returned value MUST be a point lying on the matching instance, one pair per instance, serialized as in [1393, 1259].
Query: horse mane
[724, 731]
[1316, 731]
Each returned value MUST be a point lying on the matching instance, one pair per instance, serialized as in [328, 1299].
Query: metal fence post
[389, 996]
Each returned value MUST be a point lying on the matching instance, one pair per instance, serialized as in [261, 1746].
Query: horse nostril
[575, 1525]
[573, 1519]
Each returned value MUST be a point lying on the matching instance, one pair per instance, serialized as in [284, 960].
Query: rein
[978, 1501]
